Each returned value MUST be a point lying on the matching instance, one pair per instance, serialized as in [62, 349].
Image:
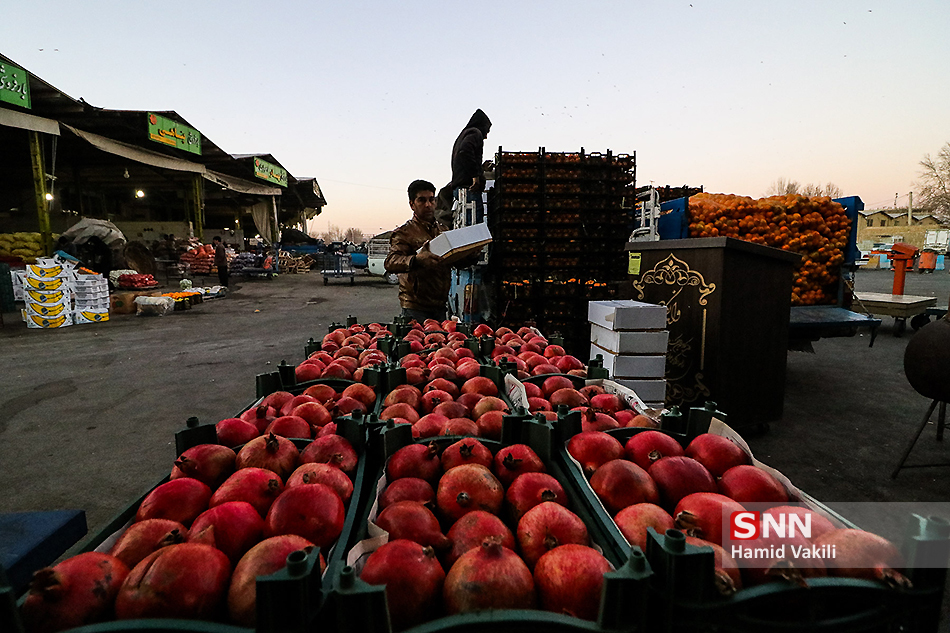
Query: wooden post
[39, 189]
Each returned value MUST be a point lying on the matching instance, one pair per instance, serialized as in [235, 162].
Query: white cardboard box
[38, 322]
[81, 317]
[629, 342]
[458, 244]
[46, 297]
[651, 391]
[48, 310]
[627, 315]
[631, 365]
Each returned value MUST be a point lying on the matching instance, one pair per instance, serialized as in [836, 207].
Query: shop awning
[24, 121]
[240, 185]
[137, 153]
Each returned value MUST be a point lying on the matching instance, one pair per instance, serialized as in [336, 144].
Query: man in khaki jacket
[424, 280]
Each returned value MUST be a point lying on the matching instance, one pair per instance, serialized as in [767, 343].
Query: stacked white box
[91, 298]
[631, 338]
[18, 277]
[47, 294]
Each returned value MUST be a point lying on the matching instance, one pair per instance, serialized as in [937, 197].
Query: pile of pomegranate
[470, 530]
[531, 353]
[199, 541]
[653, 481]
[344, 353]
[600, 410]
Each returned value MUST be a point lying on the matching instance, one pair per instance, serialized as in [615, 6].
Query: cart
[338, 265]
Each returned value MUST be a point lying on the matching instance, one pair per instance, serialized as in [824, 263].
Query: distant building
[880, 218]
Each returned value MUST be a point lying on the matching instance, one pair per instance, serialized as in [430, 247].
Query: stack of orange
[816, 228]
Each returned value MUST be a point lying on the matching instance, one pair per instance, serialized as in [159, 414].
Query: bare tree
[934, 186]
[782, 187]
[353, 235]
[332, 234]
[830, 189]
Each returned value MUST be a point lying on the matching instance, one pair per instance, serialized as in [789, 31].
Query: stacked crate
[559, 223]
[631, 337]
[91, 297]
[47, 293]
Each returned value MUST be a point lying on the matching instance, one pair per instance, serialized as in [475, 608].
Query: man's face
[423, 205]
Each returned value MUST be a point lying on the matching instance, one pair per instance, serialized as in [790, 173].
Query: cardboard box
[48, 272]
[48, 285]
[81, 317]
[44, 297]
[39, 322]
[629, 342]
[650, 391]
[122, 303]
[631, 365]
[626, 315]
[458, 244]
[50, 311]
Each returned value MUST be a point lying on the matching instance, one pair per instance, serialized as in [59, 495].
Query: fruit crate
[683, 592]
[354, 605]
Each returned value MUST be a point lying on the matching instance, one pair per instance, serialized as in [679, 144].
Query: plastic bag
[154, 306]
[185, 284]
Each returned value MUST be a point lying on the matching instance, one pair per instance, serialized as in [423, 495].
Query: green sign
[174, 134]
[270, 173]
[14, 85]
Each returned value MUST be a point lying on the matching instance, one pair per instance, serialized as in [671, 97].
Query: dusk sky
[368, 96]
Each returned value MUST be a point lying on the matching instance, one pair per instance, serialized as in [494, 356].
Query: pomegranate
[568, 363]
[316, 473]
[488, 577]
[78, 591]
[431, 399]
[413, 578]
[334, 450]
[441, 384]
[406, 394]
[593, 449]
[415, 460]
[570, 579]
[716, 453]
[233, 432]
[314, 512]
[314, 413]
[451, 410]
[620, 483]
[291, 426]
[408, 489]
[702, 514]
[530, 489]
[467, 451]
[480, 384]
[277, 399]
[546, 526]
[819, 523]
[489, 425]
[607, 402]
[728, 576]
[260, 417]
[469, 400]
[676, 477]
[179, 500]
[468, 487]
[322, 393]
[443, 371]
[272, 452]
[634, 520]
[429, 425]
[346, 406]
[592, 420]
[538, 404]
[638, 421]
[233, 527]
[400, 410]
[310, 369]
[553, 383]
[267, 557]
[514, 460]
[646, 447]
[361, 392]
[488, 403]
[567, 396]
[860, 554]
[747, 483]
[293, 403]
[784, 562]
[208, 463]
[188, 581]
[327, 429]
[412, 520]
[257, 486]
[472, 529]
[144, 537]
[460, 426]
[533, 391]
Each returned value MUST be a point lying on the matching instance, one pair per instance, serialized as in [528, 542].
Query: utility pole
[910, 205]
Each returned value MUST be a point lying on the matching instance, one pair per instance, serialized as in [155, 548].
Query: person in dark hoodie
[467, 167]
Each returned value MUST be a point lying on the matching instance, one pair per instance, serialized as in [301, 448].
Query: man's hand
[426, 258]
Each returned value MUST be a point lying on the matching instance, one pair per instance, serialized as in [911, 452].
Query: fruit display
[815, 227]
[136, 281]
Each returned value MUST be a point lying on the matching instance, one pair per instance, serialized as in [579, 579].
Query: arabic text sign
[14, 85]
[269, 172]
[173, 133]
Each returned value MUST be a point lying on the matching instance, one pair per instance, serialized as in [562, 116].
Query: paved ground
[87, 414]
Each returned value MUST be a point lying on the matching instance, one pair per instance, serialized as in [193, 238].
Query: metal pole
[196, 205]
[39, 189]
[910, 204]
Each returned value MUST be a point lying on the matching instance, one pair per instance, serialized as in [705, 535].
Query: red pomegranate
[468, 487]
[716, 453]
[272, 452]
[408, 489]
[429, 425]
[179, 500]
[531, 489]
[334, 450]
[257, 486]
[314, 512]
[233, 527]
[646, 447]
[362, 393]
[514, 460]
[233, 432]
[702, 515]
[347, 405]
[144, 537]
[314, 413]
[415, 460]
[471, 531]
[412, 520]
[187, 581]
[277, 399]
[266, 558]
[322, 393]
[469, 400]
[607, 402]
[489, 425]
[819, 524]
[291, 426]
[78, 591]
[314, 473]
[488, 577]
[546, 526]
[569, 580]
[859, 554]
[567, 396]
[402, 410]
[481, 385]
[592, 420]
[676, 477]
[467, 451]
[293, 403]
[634, 520]
[442, 384]
[620, 483]
[593, 449]
[748, 483]
[413, 578]
[327, 429]
[405, 394]
[728, 576]
[553, 383]
[460, 426]
[782, 561]
[260, 417]
[486, 404]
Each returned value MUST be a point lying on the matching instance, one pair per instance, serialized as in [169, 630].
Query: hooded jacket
[467, 150]
[420, 288]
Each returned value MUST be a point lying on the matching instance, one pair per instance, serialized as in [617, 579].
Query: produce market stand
[901, 307]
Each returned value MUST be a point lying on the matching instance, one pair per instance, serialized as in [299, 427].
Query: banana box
[46, 297]
[81, 317]
[52, 310]
[34, 321]
[44, 283]
[48, 272]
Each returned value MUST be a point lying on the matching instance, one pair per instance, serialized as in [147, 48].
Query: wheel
[919, 321]
[392, 278]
